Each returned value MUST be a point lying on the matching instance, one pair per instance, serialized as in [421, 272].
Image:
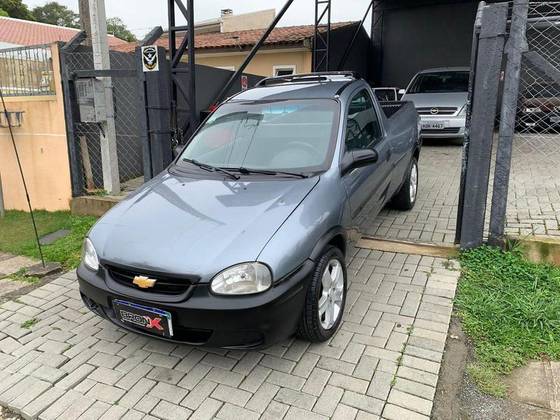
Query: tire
[405, 199]
[313, 325]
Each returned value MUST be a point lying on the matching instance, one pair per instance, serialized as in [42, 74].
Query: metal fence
[526, 184]
[27, 71]
[87, 135]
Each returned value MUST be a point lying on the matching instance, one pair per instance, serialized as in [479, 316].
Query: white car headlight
[89, 256]
[463, 111]
[242, 279]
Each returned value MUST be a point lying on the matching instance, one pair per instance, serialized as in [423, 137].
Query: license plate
[434, 125]
[555, 120]
[152, 320]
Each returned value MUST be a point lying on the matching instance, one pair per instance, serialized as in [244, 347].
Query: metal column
[188, 93]
[516, 46]
[322, 39]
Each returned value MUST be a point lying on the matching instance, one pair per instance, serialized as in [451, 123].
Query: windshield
[441, 82]
[293, 135]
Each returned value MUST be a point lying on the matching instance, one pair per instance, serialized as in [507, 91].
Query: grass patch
[20, 275]
[29, 323]
[509, 308]
[17, 235]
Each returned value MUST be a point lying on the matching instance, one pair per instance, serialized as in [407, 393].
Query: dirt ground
[457, 398]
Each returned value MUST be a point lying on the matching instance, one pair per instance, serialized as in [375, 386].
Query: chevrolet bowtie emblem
[144, 282]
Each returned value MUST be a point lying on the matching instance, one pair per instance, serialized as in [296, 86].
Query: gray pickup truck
[241, 242]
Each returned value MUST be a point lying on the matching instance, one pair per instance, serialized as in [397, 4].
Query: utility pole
[85, 22]
[108, 133]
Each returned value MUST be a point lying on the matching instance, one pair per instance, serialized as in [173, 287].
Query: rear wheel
[325, 299]
[406, 196]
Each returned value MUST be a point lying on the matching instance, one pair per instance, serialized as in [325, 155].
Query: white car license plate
[434, 125]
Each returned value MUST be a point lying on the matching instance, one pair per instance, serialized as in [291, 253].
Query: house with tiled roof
[21, 33]
[225, 42]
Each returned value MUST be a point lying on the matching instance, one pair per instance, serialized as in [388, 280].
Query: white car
[440, 97]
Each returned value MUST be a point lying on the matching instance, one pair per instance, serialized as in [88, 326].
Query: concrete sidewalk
[58, 360]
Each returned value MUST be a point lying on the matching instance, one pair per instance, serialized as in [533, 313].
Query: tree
[16, 9]
[3, 13]
[56, 14]
[116, 27]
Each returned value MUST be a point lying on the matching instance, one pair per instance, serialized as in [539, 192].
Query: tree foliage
[56, 14]
[16, 9]
[116, 27]
[3, 13]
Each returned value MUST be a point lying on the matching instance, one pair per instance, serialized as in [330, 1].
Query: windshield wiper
[211, 168]
[248, 171]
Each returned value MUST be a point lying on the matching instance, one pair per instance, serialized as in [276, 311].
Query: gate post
[516, 45]
[488, 66]
[155, 118]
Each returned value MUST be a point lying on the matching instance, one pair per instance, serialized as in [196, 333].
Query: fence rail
[27, 71]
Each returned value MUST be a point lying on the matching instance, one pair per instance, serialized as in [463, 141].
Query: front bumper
[454, 127]
[204, 319]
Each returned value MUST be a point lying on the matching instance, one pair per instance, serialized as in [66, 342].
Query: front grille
[164, 284]
[447, 130]
[440, 110]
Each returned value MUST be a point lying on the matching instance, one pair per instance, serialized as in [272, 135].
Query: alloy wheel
[330, 302]
[413, 182]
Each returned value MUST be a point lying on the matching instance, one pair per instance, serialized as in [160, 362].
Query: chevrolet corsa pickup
[241, 242]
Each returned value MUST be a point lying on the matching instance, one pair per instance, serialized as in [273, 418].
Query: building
[225, 42]
[412, 35]
[21, 33]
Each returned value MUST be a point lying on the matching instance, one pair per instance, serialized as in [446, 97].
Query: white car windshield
[289, 135]
[440, 82]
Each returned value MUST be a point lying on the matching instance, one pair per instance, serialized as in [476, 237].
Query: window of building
[287, 70]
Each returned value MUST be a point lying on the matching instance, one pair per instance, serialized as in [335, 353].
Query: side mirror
[358, 159]
[177, 150]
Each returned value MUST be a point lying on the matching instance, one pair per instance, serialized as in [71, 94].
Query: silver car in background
[440, 97]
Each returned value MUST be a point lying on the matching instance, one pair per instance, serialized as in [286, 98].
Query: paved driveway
[533, 202]
[383, 362]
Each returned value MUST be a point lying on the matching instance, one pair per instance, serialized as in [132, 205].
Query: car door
[368, 185]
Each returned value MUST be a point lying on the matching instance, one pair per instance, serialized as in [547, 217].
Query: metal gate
[84, 133]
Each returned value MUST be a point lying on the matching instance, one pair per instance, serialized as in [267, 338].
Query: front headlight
[242, 279]
[463, 111]
[89, 256]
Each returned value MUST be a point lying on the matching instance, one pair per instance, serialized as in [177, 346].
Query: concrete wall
[263, 63]
[413, 35]
[42, 146]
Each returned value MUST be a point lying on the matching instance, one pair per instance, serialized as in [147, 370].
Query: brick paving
[382, 363]
[533, 202]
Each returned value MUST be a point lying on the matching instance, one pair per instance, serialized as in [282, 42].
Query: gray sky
[142, 15]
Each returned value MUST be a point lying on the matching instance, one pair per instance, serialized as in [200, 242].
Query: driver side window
[362, 125]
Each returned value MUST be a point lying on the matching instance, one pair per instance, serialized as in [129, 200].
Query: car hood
[425, 100]
[197, 227]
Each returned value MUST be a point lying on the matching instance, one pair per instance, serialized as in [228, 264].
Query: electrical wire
[22, 178]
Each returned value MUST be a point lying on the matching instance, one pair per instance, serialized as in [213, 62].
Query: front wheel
[325, 299]
[406, 196]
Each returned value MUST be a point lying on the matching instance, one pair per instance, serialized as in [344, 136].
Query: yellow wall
[262, 64]
[43, 150]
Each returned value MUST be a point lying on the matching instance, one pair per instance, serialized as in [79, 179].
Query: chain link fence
[533, 199]
[126, 101]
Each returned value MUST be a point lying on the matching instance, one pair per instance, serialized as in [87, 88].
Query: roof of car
[307, 86]
[442, 69]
